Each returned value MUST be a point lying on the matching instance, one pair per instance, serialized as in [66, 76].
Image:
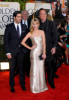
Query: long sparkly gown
[37, 71]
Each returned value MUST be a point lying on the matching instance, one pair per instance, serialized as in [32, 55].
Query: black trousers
[50, 71]
[19, 58]
[27, 63]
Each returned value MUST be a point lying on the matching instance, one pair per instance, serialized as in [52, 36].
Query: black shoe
[52, 85]
[23, 88]
[56, 76]
[12, 90]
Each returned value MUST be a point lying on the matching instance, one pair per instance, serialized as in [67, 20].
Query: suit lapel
[21, 29]
[46, 26]
[14, 29]
[27, 23]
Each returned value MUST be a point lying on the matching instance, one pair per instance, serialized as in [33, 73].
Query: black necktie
[24, 22]
[18, 30]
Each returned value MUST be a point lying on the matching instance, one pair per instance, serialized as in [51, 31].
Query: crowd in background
[62, 23]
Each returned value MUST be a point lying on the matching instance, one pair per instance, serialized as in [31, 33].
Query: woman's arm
[24, 40]
[67, 30]
[25, 45]
[63, 36]
[60, 44]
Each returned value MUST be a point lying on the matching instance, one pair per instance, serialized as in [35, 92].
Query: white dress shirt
[19, 27]
[25, 22]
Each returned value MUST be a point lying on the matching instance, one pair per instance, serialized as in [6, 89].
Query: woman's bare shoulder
[29, 34]
[41, 32]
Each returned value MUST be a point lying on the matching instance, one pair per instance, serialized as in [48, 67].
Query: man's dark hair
[42, 9]
[16, 13]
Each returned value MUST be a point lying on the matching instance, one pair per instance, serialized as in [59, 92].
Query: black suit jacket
[11, 39]
[28, 30]
[51, 32]
[28, 27]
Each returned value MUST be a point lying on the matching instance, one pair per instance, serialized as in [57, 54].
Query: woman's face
[35, 25]
[58, 3]
[68, 17]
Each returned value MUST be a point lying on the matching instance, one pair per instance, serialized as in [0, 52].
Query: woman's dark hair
[16, 13]
[58, 1]
[63, 23]
[57, 22]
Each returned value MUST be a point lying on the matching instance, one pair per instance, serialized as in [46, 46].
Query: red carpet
[61, 92]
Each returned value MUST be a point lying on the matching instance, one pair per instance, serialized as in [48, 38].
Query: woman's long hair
[32, 22]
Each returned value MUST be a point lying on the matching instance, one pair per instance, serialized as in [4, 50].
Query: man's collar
[16, 23]
[43, 22]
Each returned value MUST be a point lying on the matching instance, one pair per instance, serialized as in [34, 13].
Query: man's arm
[55, 34]
[6, 39]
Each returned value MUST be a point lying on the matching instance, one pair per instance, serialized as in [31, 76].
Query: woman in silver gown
[37, 71]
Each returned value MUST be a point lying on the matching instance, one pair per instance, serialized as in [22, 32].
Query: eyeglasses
[25, 14]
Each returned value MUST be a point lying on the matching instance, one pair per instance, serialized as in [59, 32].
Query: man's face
[18, 18]
[24, 15]
[42, 15]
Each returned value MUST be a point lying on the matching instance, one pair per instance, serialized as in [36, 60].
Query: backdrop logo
[6, 14]
[30, 7]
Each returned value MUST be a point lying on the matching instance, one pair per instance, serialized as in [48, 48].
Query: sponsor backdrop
[6, 14]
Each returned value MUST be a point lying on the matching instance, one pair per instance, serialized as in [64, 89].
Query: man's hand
[9, 56]
[53, 50]
[44, 56]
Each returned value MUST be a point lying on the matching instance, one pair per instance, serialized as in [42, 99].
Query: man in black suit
[51, 42]
[25, 21]
[15, 52]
